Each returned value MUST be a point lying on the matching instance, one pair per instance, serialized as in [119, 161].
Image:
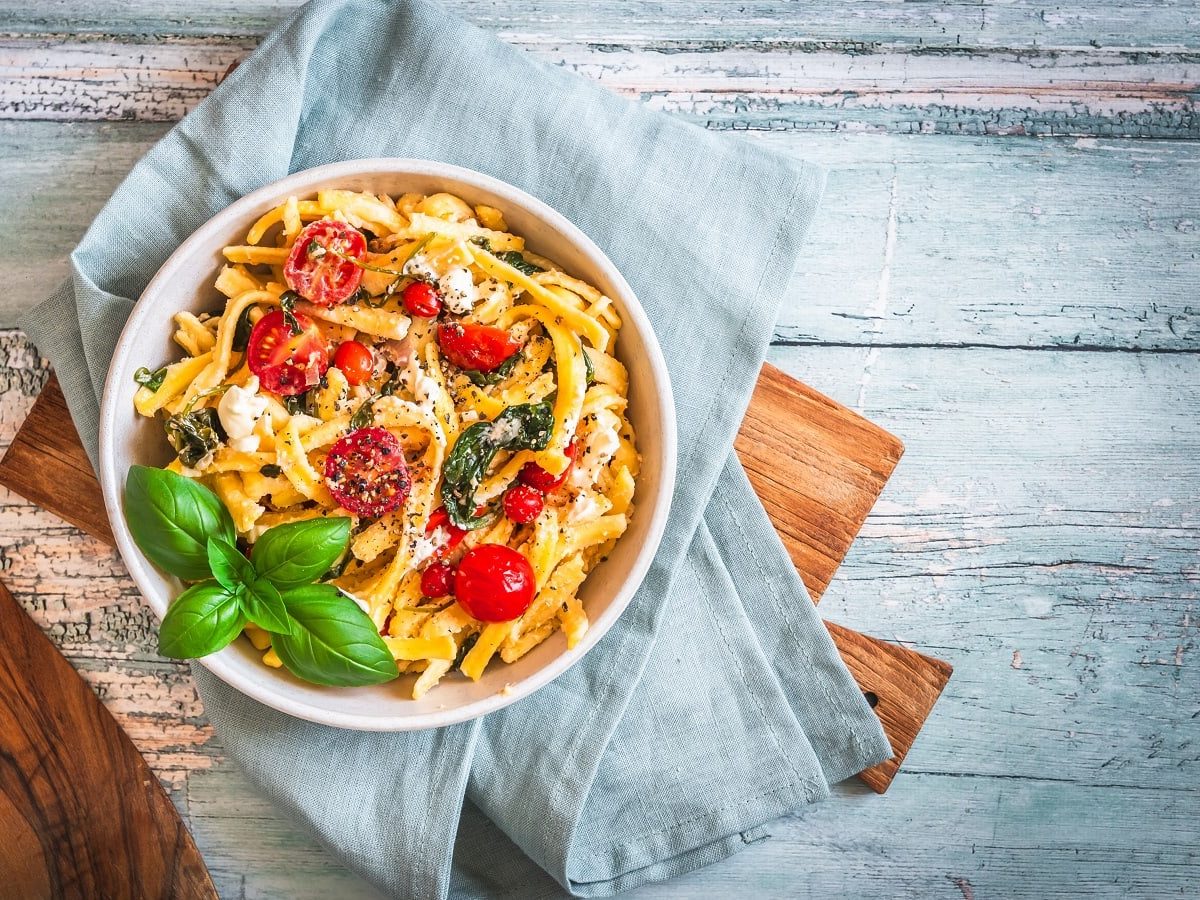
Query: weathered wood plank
[776, 88]
[862, 23]
[966, 263]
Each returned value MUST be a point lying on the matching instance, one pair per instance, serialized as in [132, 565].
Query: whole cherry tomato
[523, 503]
[494, 583]
[321, 266]
[536, 477]
[479, 348]
[422, 299]
[366, 472]
[286, 363]
[437, 580]
[356, 361]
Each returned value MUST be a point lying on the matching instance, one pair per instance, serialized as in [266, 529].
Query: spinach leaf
[194, 434]
[229, 567]
[497, 375]
[393, 381]
[287, 304]
[589, 368]
[292, 555]
[526, 426]
[202, 620]
[151, 381]
[518, 262]
[363, 415]
[171, 519]
[470, 642]
[513, 257]
[335, 643]
[241, 333]
[264, 606]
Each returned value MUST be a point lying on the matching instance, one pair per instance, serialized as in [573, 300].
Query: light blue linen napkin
[718, 702]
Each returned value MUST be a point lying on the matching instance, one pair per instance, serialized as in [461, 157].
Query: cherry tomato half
[422, 299]
[286, 363]
[523, 504]
[479, 348]
[356, 361]
[366, 472]
[437, 580]
[319, 274]
[536, 477]
[439, 518]
[494, 583]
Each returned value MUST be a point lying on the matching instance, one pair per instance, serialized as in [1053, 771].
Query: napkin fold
[718, 701]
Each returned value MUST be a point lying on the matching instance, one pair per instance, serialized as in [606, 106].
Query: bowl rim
[221, 663]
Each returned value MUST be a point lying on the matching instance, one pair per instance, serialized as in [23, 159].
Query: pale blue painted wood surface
[1022, 312]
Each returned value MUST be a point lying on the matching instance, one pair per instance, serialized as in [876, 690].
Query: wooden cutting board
[81, 814]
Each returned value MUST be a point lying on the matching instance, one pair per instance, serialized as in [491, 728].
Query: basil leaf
[335, 642]
[526, 426]
[497, 375]
[194, 435]
[229, 567]
[292, 555]
[264, 606]
[519, 262]
[151, 381]
[171, 519]
[202, 620]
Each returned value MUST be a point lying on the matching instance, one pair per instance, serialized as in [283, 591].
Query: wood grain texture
[782, 86]
[81, 815]
[819, 487]
[1023, 311]
[911, 681]
[936, 24]
[47, 465]
[818, 469]
[987, 246]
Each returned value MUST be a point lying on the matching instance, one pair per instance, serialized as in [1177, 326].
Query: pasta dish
[408, 364]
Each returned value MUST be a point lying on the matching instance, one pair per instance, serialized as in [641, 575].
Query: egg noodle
[264, 454]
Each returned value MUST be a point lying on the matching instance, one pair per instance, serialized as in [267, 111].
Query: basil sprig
[526, 426]
[320, 634]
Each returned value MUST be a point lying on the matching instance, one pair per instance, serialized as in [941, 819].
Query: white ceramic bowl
[185, 282]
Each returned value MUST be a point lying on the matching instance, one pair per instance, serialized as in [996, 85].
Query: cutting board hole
[872, 698]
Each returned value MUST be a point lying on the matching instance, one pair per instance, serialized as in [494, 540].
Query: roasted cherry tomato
[494, 583]
[286, 363]
[523, 503]
[422, 299]
[439, 518]
[356, 361]
[479, 348]
[437, 580]
[318, 269]
[536, 477]
[366, 472]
